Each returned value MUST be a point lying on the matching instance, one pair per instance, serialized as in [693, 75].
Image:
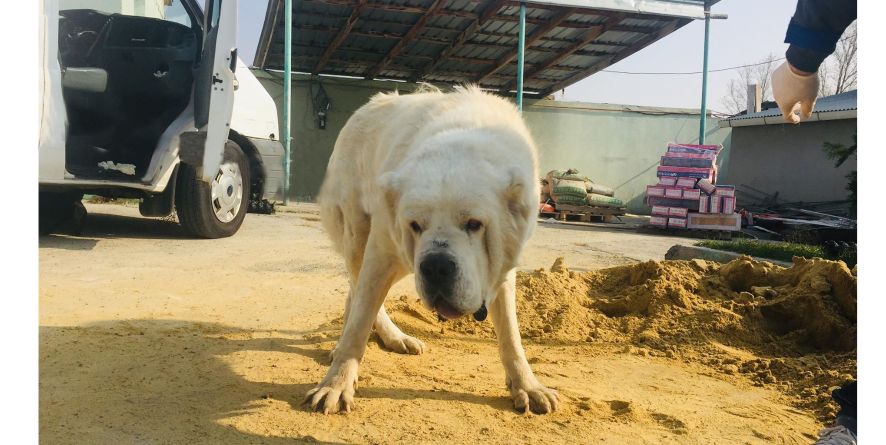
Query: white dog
[445, 186]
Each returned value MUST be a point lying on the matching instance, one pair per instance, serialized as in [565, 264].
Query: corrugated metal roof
[847, 101]
[466, 41]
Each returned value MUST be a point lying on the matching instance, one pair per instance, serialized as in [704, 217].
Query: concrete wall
[616, 145]
[789, 159]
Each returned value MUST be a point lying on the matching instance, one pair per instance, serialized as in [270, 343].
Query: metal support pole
[521, 48]
[287, 98]
[704, 74]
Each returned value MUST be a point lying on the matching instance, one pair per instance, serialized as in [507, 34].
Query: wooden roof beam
[463, 37]
[340, 37]
[599, 12]
[589, 37]
[541, 22]
[537, 34]
[637, 46]
[407, 39]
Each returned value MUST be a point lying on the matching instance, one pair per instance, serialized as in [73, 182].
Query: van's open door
[214, 93]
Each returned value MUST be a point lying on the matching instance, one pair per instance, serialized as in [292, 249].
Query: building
[775, 157]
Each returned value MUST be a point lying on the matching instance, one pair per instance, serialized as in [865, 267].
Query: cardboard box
[684, 172]
[715, 204]
[725, 190]
[705, 201]
[690, 148]
[674, 193]
[705, 155]
[688, 183]
[661, 221]
[653, 190]
[671, 202]
[667, 181]
[677, 223]
[728, 205]
[712, 221]
[679, 212]
[691, 193]
[660, 210]
[687, 162]
[706, 186]
[711, 147]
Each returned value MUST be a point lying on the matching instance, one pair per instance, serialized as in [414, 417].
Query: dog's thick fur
[421, 174]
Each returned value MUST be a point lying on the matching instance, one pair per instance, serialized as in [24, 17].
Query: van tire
[197, 209]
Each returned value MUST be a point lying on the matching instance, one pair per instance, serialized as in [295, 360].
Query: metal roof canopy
[836, 107]
[468, 41]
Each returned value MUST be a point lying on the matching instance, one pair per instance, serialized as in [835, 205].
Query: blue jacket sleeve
[815, 29]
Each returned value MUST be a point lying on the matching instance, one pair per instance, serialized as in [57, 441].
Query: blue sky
[755, 28]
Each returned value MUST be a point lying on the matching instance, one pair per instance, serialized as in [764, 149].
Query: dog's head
[462, 215]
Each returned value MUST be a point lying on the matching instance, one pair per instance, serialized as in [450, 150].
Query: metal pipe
[520, 53]
[287, 98]
[704, 74]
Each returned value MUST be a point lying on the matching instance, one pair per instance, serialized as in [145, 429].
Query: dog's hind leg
[393, 338]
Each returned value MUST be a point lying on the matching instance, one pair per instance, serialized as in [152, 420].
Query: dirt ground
[149, 337]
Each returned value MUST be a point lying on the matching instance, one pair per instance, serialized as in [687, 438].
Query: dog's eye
[473, 225]
[415, 227]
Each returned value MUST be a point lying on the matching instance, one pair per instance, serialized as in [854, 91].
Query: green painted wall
[616, 145]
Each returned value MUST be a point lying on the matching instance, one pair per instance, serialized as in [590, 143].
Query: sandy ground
[149, 337]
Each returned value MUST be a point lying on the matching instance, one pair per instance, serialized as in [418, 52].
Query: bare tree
[759, 73]
[839, 72]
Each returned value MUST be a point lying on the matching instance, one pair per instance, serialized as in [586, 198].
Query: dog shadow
[125, 381]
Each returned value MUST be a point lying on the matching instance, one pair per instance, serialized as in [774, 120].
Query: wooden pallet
[690, 233]
[583, 213]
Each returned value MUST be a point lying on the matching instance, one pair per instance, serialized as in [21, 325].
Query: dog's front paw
[530, 395]
[336, 392]
[404, 344]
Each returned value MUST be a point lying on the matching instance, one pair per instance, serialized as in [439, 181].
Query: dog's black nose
[438, 269]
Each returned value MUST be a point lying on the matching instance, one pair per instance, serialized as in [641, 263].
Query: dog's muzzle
[438, 273]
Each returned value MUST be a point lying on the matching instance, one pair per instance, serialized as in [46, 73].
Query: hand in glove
[793, 89]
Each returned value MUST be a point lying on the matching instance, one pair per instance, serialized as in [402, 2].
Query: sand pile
[792, 329]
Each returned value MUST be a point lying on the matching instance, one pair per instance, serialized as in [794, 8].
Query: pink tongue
[443, 308]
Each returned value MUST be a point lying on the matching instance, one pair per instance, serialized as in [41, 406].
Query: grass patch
[781, 251]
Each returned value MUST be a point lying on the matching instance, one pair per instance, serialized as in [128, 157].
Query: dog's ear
[389, 185]
[515, 196]
[517, 227]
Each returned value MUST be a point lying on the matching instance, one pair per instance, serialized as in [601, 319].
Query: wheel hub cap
[227, 192]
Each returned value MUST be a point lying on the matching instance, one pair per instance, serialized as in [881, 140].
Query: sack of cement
[600, 189]
[555, 178]
[572, 200]
[567, 187]
[605, 201]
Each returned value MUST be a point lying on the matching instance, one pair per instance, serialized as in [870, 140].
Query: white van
[140, 100]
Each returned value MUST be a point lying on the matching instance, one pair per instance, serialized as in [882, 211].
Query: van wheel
[214, 210]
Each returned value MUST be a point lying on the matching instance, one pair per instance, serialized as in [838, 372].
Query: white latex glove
[792, 91]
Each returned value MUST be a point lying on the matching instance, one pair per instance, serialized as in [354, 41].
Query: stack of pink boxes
[686, 195]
